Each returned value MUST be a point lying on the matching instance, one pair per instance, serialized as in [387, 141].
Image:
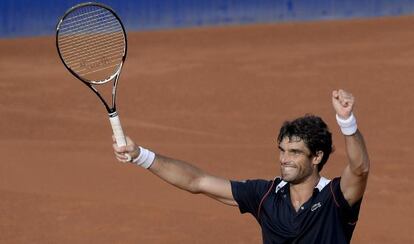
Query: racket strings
[94, 66]
[74, 39]
[94, 57]
[103, 26]
[97, 70]
[91, 41]
[88, 12]
[96, 46]
[80, 19]
[110, 47]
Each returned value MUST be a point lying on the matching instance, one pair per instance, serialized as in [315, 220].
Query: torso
[320, 219]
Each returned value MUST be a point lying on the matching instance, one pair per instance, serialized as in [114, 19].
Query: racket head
[92, 42]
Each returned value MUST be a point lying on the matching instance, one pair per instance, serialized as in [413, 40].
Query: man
[298, 207]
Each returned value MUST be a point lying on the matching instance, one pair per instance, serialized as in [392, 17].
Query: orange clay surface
[215, 97]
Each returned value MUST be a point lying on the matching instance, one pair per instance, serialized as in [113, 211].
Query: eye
[295, 153]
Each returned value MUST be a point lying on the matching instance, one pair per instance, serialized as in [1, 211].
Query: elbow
[199, 184]
[363, 172]
[362, 169]
[194, 186]
[193, 190]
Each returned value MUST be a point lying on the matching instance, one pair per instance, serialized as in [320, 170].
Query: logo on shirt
[316, 206]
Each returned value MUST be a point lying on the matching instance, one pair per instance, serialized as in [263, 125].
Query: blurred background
[33, 18]
[209, 82]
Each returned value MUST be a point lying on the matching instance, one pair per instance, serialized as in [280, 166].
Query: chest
[281, 217]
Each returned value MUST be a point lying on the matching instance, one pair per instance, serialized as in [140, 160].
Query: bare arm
[355, 176]
[190, 178]
[183, 175]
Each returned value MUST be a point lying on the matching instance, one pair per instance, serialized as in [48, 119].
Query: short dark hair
[313, 131]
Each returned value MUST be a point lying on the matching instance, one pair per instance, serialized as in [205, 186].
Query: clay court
[215, 97]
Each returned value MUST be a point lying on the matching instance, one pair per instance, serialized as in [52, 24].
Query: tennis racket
[92, 44]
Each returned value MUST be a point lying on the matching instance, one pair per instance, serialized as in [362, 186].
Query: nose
[283, 158]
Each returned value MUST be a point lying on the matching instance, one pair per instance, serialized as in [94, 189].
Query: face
[296, 161]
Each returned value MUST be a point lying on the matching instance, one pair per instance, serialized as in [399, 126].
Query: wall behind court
[38, 17]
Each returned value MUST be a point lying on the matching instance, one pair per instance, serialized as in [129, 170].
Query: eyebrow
[295, 150]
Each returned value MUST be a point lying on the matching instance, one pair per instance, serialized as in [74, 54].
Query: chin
[292, 177]
[288, 178]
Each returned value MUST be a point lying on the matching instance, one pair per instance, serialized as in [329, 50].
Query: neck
[307, 184]
[301, 192]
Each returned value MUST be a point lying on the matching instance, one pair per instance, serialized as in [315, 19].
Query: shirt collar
[321, 184]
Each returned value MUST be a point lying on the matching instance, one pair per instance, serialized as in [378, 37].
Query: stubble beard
[294, 175]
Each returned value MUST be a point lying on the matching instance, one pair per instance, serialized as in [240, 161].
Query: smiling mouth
[287, 169]
[287, 166]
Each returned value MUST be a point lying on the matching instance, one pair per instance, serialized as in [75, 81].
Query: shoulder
[256, 187]
[348, 212]
[256, 184]
[338, 195]
[249, 193]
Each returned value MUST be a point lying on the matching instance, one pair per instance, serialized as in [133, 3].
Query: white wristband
[145, 158]
[348, 126]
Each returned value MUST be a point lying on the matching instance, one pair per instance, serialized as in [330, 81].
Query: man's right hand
[121, 153]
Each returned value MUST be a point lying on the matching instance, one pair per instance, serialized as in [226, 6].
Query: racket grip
[117, 129]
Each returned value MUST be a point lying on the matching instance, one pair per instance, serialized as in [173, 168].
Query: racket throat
[112, 113]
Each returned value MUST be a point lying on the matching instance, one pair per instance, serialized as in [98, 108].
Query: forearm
[355, 176]
[355, 145]
[190, 178]
[357, 154]
[178, 173]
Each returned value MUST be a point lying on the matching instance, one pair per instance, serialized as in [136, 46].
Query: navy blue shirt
[325, 218]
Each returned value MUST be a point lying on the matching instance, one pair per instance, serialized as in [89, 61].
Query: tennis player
[300, 206]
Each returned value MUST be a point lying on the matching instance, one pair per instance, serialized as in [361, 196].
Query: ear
[317, 158]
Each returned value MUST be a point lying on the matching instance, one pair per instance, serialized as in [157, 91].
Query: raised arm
[181, 174]
[354, 177]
